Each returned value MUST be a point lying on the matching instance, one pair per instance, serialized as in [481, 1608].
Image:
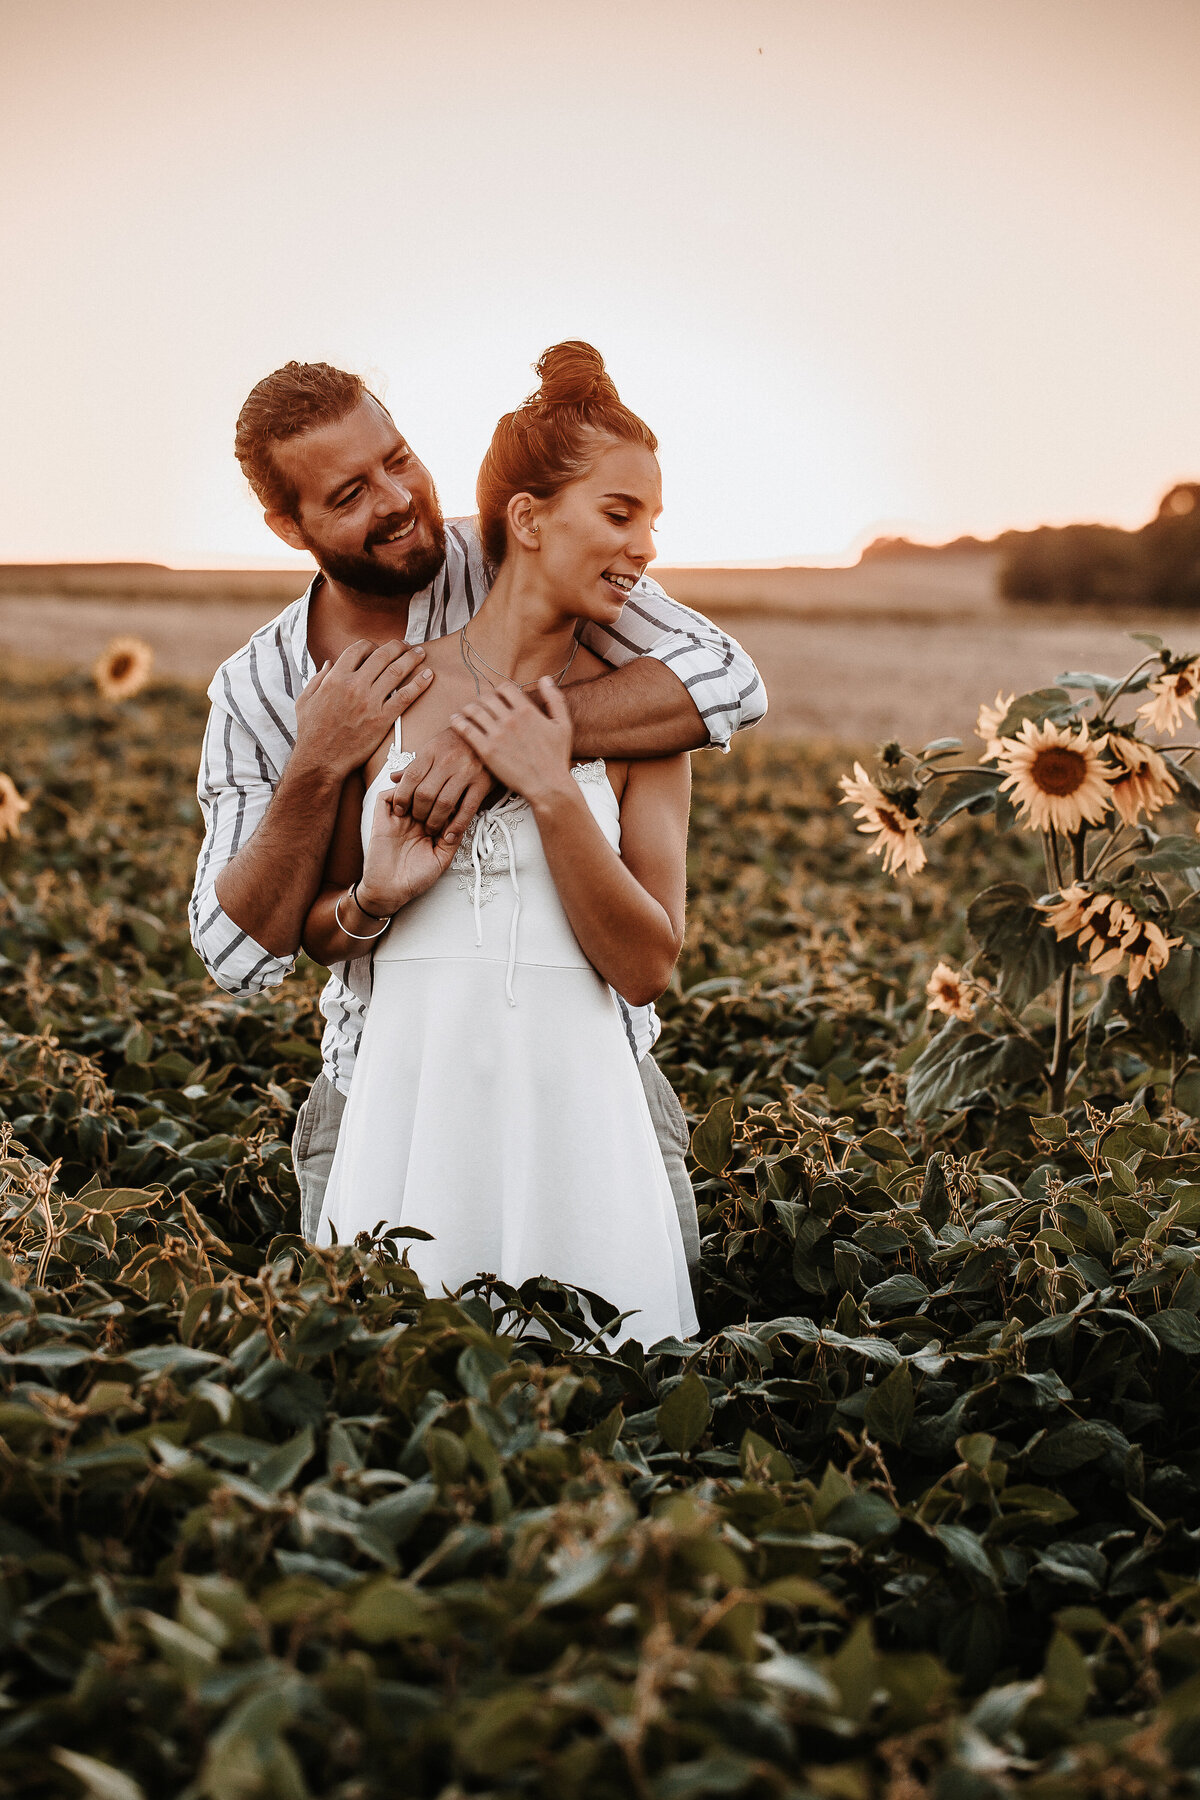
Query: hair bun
[572, 374]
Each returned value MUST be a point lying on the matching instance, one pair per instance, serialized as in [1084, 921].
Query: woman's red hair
[551, 438]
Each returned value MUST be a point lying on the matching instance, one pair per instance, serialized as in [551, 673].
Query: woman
[495, 1101]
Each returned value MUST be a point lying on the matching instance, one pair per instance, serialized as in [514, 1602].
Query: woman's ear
[522, 524]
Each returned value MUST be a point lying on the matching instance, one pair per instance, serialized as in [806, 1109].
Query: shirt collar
[299, 631]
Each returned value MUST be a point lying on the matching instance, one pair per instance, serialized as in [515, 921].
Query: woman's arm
[402, 861]
[627, 910]
[322, 939]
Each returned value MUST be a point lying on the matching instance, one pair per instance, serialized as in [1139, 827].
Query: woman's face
[596, 536]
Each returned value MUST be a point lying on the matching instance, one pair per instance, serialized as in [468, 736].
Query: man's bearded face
[367, 510]
[389, 566]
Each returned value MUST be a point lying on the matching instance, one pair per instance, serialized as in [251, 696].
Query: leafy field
[919, 1514]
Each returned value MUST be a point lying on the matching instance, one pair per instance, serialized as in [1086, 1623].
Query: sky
[865, 266]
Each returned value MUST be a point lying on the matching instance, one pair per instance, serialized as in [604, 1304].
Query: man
[305, 702]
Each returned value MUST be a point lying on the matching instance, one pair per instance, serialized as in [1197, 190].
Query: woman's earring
[535, 528]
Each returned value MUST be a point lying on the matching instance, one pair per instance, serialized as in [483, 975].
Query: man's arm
[677, 683]
[721, 682]
[266, 838]
[640, 711]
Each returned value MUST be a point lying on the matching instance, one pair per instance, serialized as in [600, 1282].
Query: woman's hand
[402, 859]
[526, 748]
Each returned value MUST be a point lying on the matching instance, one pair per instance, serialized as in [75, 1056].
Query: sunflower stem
[1060, 1067]
[1102, 711]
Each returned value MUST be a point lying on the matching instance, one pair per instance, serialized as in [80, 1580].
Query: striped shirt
[252, 728]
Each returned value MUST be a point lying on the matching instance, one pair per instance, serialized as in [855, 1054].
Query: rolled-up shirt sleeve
[234, 789]
[724, 684]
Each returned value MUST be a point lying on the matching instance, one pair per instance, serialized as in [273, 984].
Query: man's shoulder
[268, 652]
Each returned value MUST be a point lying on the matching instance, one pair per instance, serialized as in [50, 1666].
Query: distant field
[905, 647]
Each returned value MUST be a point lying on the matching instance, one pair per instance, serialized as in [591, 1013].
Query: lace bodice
[501, 850]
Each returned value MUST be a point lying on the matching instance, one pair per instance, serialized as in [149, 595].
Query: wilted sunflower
[1171, 694]
[1066, 914]
[1142, 782]
[1057, 780]
[989, 722]
[124, 668]
[1109, 928]
[886, 818]
[946, 991]
[1149, 952]
[11, 808]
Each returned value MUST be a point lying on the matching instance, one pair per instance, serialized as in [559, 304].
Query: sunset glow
[884, 265]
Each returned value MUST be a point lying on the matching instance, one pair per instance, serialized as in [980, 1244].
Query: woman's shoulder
[443, 652]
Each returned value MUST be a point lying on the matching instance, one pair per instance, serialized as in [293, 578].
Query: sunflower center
[1058, 771]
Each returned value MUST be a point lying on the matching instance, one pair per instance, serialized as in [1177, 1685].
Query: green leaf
[1176, 1329]
[1016, 940]
[579, 1573]
[1178, 987]
[899, 1293]
[1042, 703]
[138, 1045]
[1073, 1447]
[973, 790]
[280, 1469]
[386, 1611]
[884, 1147]
[935, 1207]
[1104, 685]
[712, 1140]
[969, 1557]
[100, 1780]
[889, 1409]
[961, 1062]
[864, 1517]
[683, 1417]
[1169, 855]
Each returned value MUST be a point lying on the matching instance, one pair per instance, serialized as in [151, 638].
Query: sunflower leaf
[972, 791]
[1016, 940]
[1042, 703]
[961, 1062]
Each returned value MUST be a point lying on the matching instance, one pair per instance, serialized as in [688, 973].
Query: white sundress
[495, 1102]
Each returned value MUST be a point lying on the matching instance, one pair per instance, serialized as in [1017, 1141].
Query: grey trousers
[319, 1120]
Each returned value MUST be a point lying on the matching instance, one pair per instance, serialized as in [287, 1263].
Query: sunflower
[11, 808]
[946, 991]
[1148, 953]
[1142, 780]
[989, 722]
[1057, 780]
[1109, 928]
[888, 818]
[1066, 914]
[1174, 691]
[123, 669]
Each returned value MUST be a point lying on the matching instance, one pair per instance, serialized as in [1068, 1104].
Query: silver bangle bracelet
[358, 936]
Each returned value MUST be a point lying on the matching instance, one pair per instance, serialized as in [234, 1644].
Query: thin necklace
[471, 656]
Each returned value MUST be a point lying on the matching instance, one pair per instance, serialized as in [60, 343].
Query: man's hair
[299, 397]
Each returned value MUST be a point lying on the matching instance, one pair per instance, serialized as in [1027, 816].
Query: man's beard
[358, 569]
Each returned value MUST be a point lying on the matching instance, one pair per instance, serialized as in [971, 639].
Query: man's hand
[444, 785]
[351, 705]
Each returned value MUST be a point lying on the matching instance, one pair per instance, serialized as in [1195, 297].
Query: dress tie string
[490, 823]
